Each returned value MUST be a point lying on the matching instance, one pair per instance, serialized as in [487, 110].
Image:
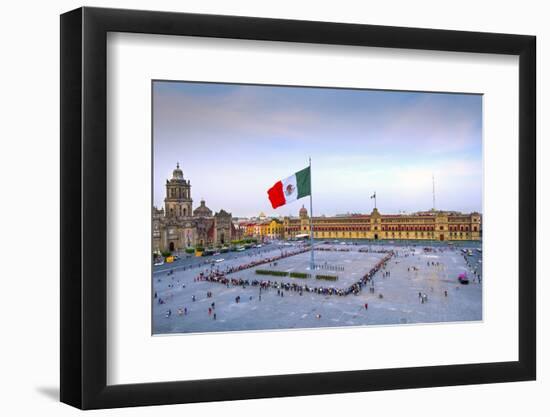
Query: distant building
[271, 229]
[430, 225]
[177, 226]
[264, 228]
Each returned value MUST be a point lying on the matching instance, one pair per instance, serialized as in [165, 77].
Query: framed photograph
[259, 208]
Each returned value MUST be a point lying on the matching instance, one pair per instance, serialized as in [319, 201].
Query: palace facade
[177, 226]
[430, 225]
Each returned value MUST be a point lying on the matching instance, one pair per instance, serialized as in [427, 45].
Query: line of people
[221, 278]
[358, 286]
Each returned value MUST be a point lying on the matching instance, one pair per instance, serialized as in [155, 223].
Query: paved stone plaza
[427, 268]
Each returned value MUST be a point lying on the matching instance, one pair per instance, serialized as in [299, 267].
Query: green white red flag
[290, 189]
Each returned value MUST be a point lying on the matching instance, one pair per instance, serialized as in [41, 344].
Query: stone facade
[176, 226]
[431, 225]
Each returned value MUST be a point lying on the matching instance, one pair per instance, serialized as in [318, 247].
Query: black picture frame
[84, 207]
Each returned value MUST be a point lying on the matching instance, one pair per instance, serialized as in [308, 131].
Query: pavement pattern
[181, 304]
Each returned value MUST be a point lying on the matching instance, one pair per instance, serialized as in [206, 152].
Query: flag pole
[312, 261]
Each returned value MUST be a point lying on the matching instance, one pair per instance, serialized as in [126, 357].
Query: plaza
[418, 284]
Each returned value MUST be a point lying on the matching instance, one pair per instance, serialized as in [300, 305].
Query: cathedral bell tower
[178, 202]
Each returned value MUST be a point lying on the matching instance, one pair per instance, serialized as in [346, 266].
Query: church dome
[177, 174]
[202, 210]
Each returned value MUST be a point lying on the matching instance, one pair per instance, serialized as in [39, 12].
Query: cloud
[235, 141]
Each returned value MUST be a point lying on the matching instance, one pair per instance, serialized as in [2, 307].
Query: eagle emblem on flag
[289, 189]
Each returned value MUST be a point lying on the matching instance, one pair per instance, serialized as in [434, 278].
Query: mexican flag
[290, 189]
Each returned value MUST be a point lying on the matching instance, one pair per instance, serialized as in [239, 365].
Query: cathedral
[177, 226]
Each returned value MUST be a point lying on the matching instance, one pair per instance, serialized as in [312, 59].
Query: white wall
[29, 175]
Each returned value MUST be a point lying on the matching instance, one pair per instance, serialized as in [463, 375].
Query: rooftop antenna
[433, 192]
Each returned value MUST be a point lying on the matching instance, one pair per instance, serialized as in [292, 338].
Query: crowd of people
[366, 281]
[332, 249]
[221, 278]
[270, 260]
[358, 286]
[370, 250]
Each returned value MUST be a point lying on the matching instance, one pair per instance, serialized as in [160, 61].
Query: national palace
[430, 225]
[177, 226]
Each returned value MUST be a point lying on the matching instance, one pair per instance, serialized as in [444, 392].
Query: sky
[235, 141]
